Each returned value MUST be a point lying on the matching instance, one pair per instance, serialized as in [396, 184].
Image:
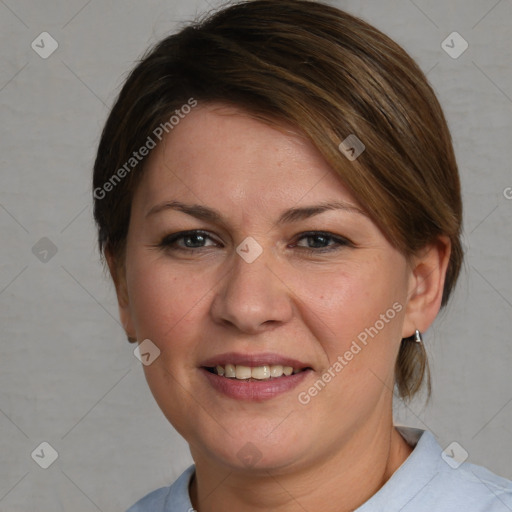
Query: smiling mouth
[254, 373]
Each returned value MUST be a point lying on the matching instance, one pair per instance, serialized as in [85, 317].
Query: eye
[322, 242]
[191, 240]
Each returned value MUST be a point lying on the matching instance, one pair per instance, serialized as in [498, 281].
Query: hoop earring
[417, 337]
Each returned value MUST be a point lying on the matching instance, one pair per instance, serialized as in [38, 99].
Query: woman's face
[264, 278]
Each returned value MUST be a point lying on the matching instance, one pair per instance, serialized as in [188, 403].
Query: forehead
[225, 155]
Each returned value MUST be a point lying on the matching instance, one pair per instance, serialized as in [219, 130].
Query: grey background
[67, 375]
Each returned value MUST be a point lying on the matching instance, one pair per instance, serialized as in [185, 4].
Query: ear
[426, 284]
[118, 274]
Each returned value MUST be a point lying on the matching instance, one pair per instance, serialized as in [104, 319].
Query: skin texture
[336, 451]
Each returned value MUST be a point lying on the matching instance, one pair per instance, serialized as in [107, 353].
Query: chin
[256, 449]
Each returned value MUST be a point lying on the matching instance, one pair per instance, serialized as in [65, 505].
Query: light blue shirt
[427, 481]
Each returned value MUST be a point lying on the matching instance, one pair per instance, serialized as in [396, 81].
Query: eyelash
[169, 242]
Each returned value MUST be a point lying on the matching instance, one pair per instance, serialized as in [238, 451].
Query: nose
[252, 296]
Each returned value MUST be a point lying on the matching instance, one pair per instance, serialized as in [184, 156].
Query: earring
[417, 337]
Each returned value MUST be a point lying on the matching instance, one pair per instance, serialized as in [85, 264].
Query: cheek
[164, 299]
[167, 305]
[358, 314]
[355, 302]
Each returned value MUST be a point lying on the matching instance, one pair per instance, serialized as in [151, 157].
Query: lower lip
[254, 390]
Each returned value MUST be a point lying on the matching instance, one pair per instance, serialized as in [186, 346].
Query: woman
[278, 202]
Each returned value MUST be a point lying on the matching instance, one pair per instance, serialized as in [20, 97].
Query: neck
[341, 482]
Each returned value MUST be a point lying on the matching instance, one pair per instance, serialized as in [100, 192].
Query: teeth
[230, 371]
[260, 372]
[264, 372]
[276, 370]
[243, 372]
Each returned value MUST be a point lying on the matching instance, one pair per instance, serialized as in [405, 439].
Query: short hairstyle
[329, 74]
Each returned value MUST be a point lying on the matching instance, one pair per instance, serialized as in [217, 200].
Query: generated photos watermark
[352, 147]
[146, 352]
[304, 397]
[151, 142]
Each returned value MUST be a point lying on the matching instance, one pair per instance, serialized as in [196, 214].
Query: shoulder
[443, 480]
[174, 498]
[154, 501]
[475, 487]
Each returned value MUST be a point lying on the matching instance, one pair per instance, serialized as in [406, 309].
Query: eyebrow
[288, 216]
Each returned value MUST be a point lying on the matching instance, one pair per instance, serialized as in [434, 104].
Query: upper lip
[253, 360]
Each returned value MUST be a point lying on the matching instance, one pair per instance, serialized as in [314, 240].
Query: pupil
[322, 239]
[196, 237]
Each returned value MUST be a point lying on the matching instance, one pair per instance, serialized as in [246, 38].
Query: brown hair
[327, 73]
